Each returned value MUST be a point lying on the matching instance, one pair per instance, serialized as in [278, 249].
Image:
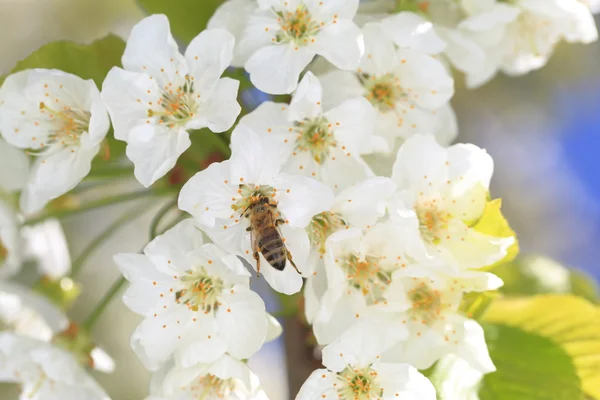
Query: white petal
[363, 343]
[332, 9]
[341, 43]
[233, 15]
[275, 69]
[55, 175]
[274, 329]
[380, 54]
[208, 55]
[121, 91]
[271, 119]
[428, 81]
[472, 347]
[472, 249]
[300, 198]
[353, 123]
[420, 160]
[242, 321]
[220, 110]
[339, 86]
[207, 195]
[254, 158]
[409, 30]
[151, 49]
[257, 29]
[319, 385]
[306, 102]
[169, 251]
[154, 150]
[14, 167]
[403, 381]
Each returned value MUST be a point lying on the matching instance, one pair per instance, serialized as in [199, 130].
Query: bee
[265, 236]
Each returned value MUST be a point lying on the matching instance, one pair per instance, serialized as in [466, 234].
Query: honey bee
[265, 236]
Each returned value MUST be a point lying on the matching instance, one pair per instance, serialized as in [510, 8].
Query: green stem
[222, 143]
[159, 217]
[110, 172]
[101, 238]
[107, 201]
[101, 306]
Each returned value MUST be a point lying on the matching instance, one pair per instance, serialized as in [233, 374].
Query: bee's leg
[248, 229]
[279, 221]
[256, 256]
[289, 257]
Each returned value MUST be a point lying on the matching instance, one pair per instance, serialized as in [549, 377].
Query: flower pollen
[427, 303]
[322, 226]
[367, 276]
[383, 92]
[316, 137]
[297, 26]
[433, 221]
[210, 387]
[67, 124]
[177, 105]
[202, 291]
[358, 384]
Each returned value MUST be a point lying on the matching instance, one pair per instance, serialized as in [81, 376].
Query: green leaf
[530, 275]
[529, 367]
[91, 61]
[568, 321]
[188, 17]
[493, 223]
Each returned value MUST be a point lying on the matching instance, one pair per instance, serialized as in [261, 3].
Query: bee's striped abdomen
[272, 248]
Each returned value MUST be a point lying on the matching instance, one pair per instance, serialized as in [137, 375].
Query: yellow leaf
[493, 223]
[569, 321]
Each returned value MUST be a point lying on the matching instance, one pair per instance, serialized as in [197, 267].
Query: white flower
[281, 37]
[355, 371]
[531, 38]
[26, 313]
[11, 241]
[44, 372]
[358, 206]
[46, 244]
[219, 196]
[360, 269]
[226, 378]
[435, 324]
[443, 192]
[161, 94]
[324, 145]
[456, 379]
[409, 89]
[14, 168]
[194, 298]
[472, 30]
[61, 118]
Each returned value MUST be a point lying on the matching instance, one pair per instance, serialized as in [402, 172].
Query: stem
[159, 217]
[98, 204]
[101, 306]
[101, 238]
[110, 172]
[222, 143]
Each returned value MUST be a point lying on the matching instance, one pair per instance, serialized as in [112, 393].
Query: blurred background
[543, 131]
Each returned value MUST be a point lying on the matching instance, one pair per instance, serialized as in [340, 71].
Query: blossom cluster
[383, 262]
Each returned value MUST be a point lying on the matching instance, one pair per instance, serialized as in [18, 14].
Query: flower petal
[154, 150]
[341, 43]
[242, 321]
[306, 102]
[300, 198]
[219, 111]
[275, 69]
